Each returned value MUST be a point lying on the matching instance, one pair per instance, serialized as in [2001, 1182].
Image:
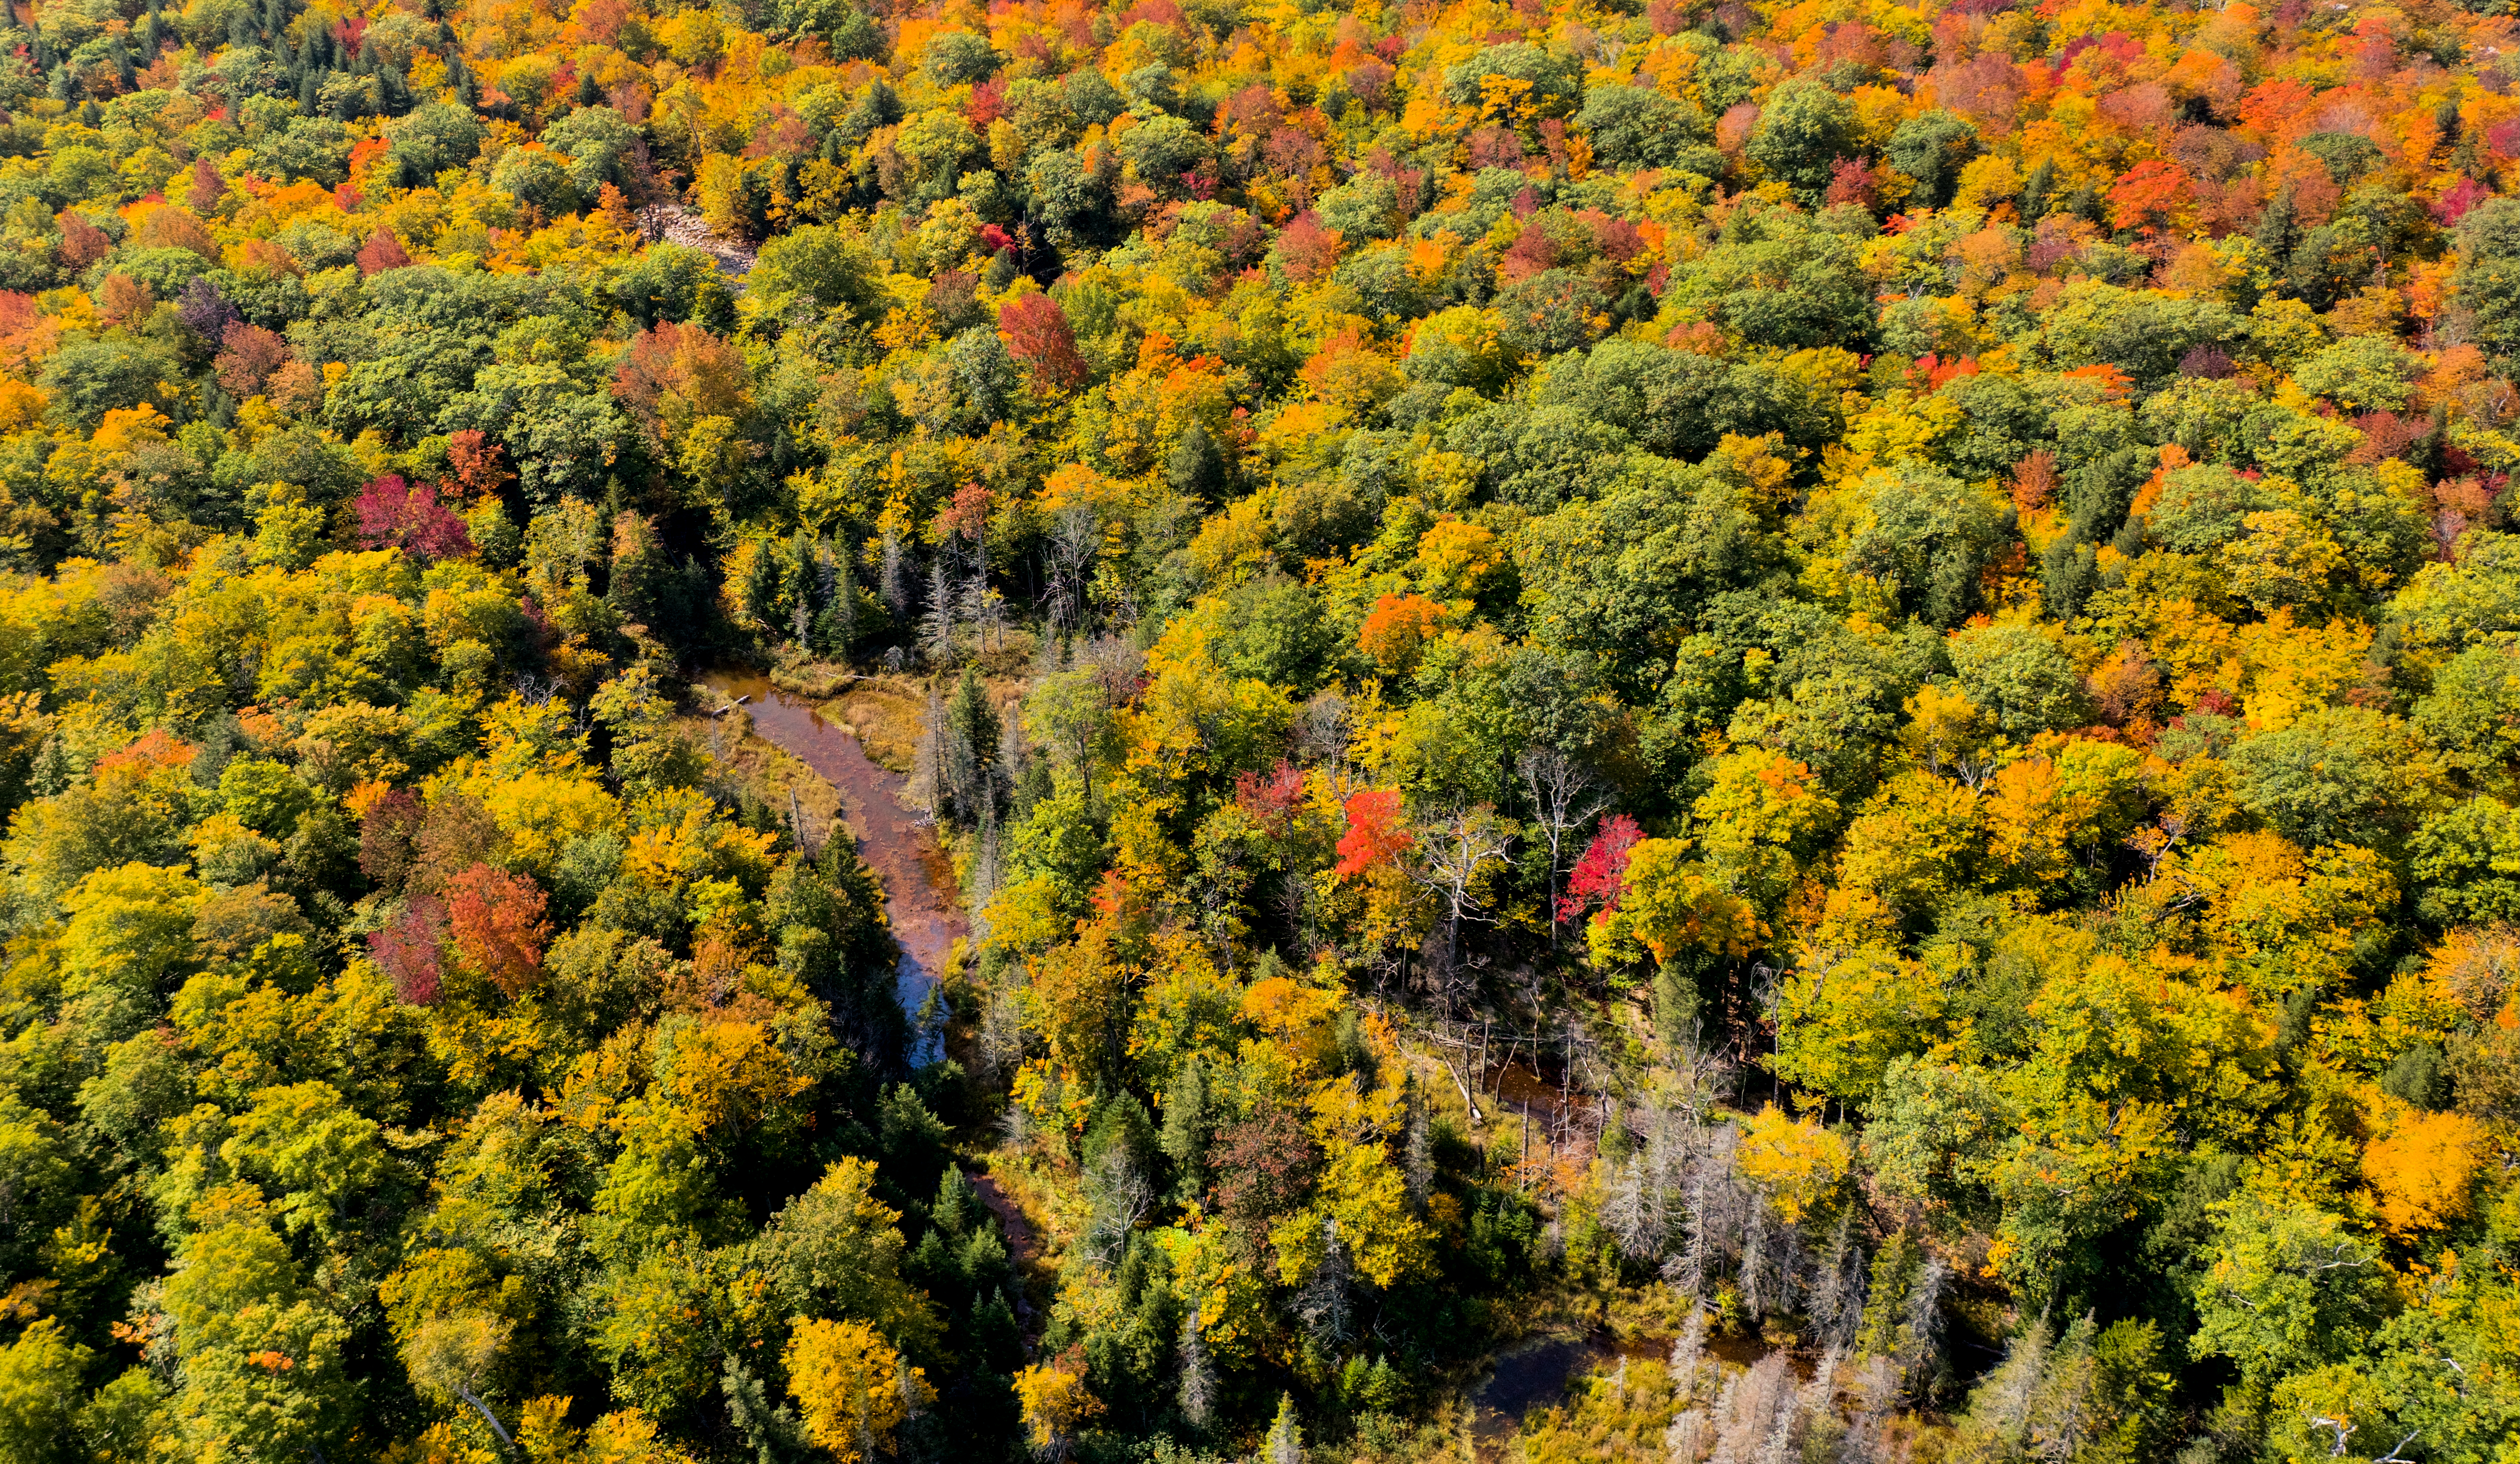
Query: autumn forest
[1167, 732]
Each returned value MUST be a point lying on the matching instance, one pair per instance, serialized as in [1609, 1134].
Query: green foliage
[1978, 534]
[1804, 129]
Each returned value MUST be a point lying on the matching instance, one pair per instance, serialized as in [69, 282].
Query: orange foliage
[2422, 1169]
[1376, 834]
[498, 925]
[1397, 628]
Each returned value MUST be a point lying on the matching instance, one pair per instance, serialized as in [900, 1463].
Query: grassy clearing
[749, 765]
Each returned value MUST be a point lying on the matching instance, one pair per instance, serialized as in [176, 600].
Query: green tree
[430, 139]
[1779, 281]
[2288, 1288]
[836, 1251]
[264, 1372]
[2022, 678]
[114, 372]
[1927, 538]
[314, 1148]
[2465, 861]
[1804, 129]
[1932, 148]
[824, 268]
[40, 1394]
[2487, 280]
[2472, 715]
[2340, 774]
[597, 142]
[1636, 126]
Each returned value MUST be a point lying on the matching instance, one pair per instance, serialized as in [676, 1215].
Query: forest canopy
[1819, 700]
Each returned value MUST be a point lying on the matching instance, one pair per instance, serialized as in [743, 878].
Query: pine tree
[1419, 1148]
[1688, 1351]
[2279, 231]
[761, 586]
[1185, 1134]
[1920, 1329]
[2035, 192]
[835, 628]
[983, 885]
[927, 788]
[1197, 470]
[964, 751]
[637, 572]
[1323, 1301]
[1285, 1441]
[796, 574]
[1837, 1297]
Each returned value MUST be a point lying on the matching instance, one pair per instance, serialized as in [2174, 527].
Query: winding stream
[897, 843]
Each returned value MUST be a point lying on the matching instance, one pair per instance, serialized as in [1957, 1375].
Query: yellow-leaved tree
[1670, 903]
[852, 1388]
[1054, 1404]
[1797, 1163]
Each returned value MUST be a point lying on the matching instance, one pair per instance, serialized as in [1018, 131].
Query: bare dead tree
[1562, 801]
[937, 626]
[1454, 851]
[1075, 536]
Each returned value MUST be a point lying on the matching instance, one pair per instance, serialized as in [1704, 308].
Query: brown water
[898, 842]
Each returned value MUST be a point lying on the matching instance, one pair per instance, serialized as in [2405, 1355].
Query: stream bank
[898, 842]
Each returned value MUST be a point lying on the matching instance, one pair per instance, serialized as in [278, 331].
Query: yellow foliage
[1761, 806]
[128, 431]
[1945, 730]
[724, 1074]
[1189, 1008]
[2275, 918]
[1841, 1024]
[2479, 968]
[1363, 1192]
[1054, 1403]
[1456, 559]
[540, 812]
[1915, 844]
[1670, 903]
[628, 1436]
[850, 1385]
[2422, 1167]
[1797, 1163]
[1234, 543]
[21, 406]
[1078, 997]
[2290, 669]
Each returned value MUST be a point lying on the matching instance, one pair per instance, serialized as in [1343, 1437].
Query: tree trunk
[488, 1417]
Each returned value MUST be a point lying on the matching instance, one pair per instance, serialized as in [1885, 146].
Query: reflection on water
[1538, 1374]
[1533, 1375]
[896, 842]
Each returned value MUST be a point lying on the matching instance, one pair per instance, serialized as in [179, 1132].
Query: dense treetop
[1832, 683]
